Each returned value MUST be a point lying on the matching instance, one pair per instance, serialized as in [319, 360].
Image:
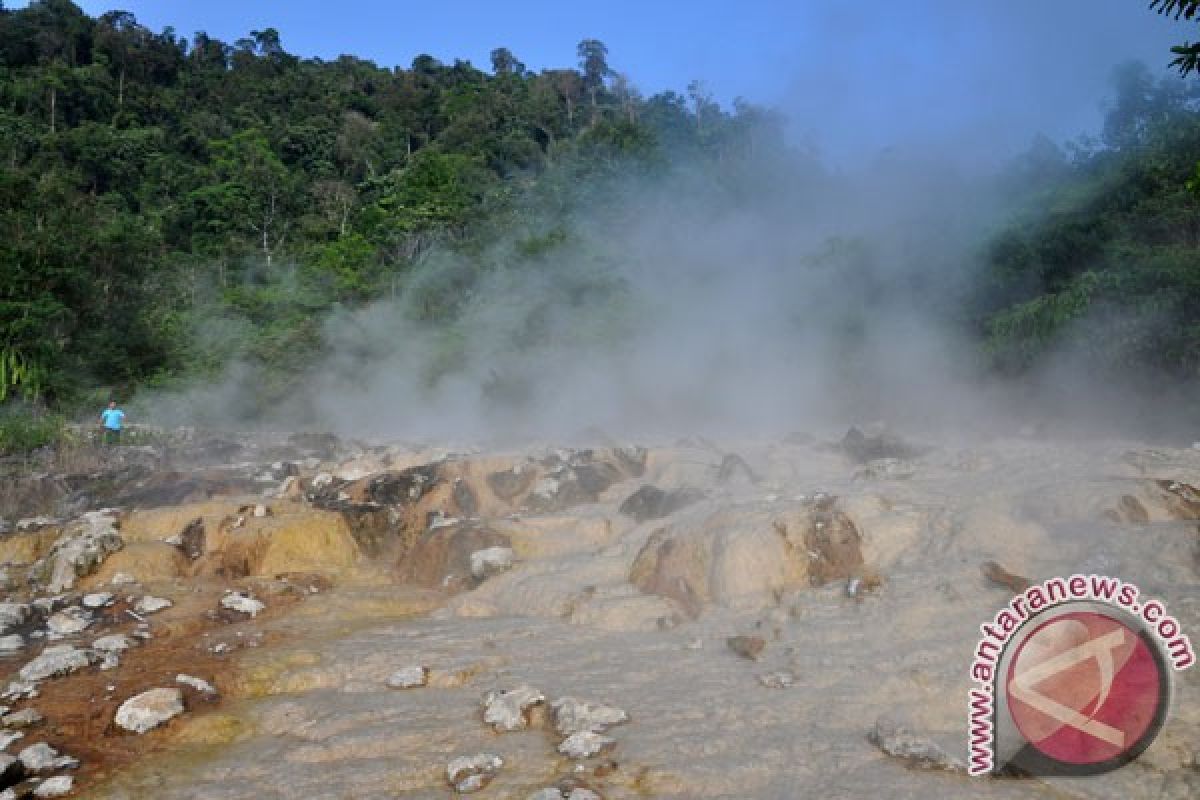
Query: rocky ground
[297, 616]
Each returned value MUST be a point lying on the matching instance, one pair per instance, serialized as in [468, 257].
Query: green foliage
[22, 432]
[167, 206]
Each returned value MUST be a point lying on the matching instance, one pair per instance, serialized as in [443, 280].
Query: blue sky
[944, 75]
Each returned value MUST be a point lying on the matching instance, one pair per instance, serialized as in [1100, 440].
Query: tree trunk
[121, 90]
[53, 103]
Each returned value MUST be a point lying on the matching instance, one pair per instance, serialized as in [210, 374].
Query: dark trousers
[112, 436]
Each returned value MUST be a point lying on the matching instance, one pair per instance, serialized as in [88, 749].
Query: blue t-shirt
[112, 418]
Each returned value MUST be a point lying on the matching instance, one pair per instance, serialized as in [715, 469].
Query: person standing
[113, 419]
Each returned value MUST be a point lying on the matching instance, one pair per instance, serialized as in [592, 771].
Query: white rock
[151, 604]
[585, 744]
[235, 601]
[8, 737]
[491, 560]
[199, 684]
[260, 510]
[11, 643]
[122, 579]
[22, 719]
[580, 793]
[97, 599]
[408, 678]
[57, 660]
[12, 615]
[506, 711]
[777, 680]
[472, 773]
[148, 710]
[573, 716]
[41, 757]
[57, 786]
[321, 479]
[68, 622]
[113, 643]
[546, 794]
[87, 542]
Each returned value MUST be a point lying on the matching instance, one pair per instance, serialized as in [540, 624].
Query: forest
[169, 204]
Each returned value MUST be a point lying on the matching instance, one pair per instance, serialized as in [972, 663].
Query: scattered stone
[122, 579]
[11, 643]
[750, 647]
[261, 511]
[510, 710]
[192, 539]
[8, 737]
[472, 773]
[97, 600]
[580, 793]
[148, 710]
[41, 757]
[408, 678]
[56, 660]
[30, 524]
[25, 718]
[490, 561]
[85, 545]
[199, 684]
[243, 604]
[585, 744]
[550, 793]
[572, 716]
[113, 643]
[1002, 577]
[20, 690]
[897, 740]
[863, 448]
[777, 680]
[12, 615]
[57, 786]
[151, 604]
[650, 502]
[68, 622]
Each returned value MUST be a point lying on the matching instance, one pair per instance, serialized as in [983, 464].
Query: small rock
[148, 710]
[998, 575]
[472, 773]
[550, 793]
[57, 660]
[897, 740]
[199, 684]
[41, 757]
[122, 579]
[572, 716]
[243, 604]
[8, 737]
[694, 644]
[408, 678]
[12, 615]
[113, 643]
[97, 600]
[585, 744]
[68, 622]
[57, 786]
[25, 718]
[151, 604]
[750, 647]
[509, 711]
[580, 793]
[11, 643]
[261, 511]
[777, 680]
[490, 561]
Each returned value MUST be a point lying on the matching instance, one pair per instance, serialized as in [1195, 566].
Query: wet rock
[8, 737]
[863, 448]
[25, 718]
[574, 716]
[509, 484]
[82, 548]
[650, 502]
[68, 622]
[510, 710]
[150, 604]
[897, 740]
[750, 647]
[243, 604]
[97, 600]
[1182, 500]
[826, 537]
[41, 757]
[57, 786]
[148, 710]
[464, 498]
[408, 678]
[471, 773]
[441, 558]
[54, 661]
[199, 684]
[193, 538]
[490, 561]
[585, 744]
[1002, 577]
[777, 680]
[11, 643]
[733, 465]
